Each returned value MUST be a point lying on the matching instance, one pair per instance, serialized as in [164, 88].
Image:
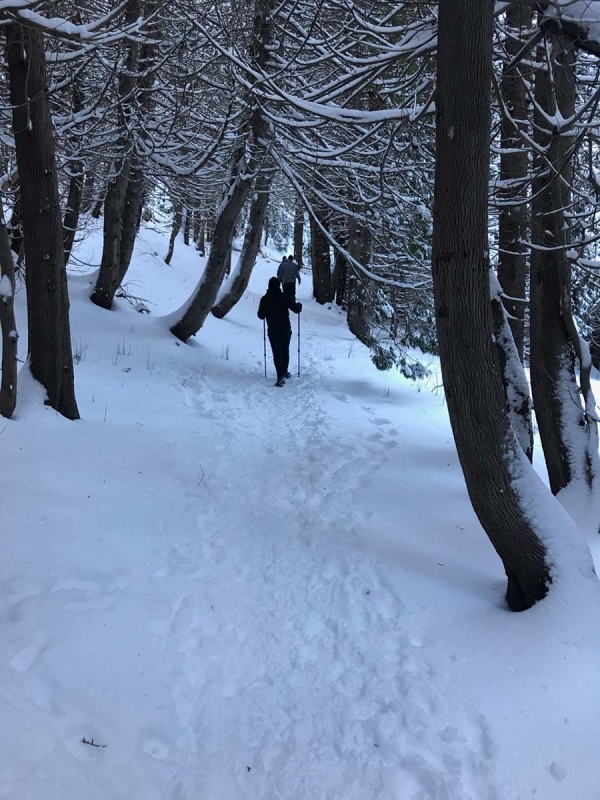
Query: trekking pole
[265, 344]
[298, 345]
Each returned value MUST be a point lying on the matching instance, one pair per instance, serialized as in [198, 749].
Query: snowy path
[248, 592]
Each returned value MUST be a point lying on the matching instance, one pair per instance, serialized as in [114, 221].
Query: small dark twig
[91, 742]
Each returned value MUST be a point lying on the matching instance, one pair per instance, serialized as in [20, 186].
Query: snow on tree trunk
[238, 282]
[516, 387]
[514, 177]
[249, 155]
[565, 410]
[49, 334]
[492, 461]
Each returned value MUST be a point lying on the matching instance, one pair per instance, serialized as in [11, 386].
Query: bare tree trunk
[238, 284]
[356, 294]
[201, 245]
[177, 219]
[75, 168]
[568, 430]
[196, 227]
[187, 226]
[484, 438]
[50, 355]
[513, 218]
[107, 282]
[320, 260]
[340, 278]
[299, 233]
[8, 388]
[124, 196]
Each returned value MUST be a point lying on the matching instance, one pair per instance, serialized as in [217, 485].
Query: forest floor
[246, 592]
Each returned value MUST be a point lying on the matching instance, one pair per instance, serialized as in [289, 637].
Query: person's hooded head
[273, 284]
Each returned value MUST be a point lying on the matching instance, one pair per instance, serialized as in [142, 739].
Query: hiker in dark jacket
[288, 273]
[275, 307]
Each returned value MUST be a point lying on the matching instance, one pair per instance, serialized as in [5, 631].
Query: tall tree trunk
[124, 197]
[200, 243]
[340, 278]
[251, 151]
[568, 431]
[50, 356]
[512, 257]
[196, 227]
[485, 441]
[238, 284]
[8, 388]
[107, 282]
[299, 232]
[75, 168]
[177, 219]
[357, 294]
[187, 225]
[320, 260]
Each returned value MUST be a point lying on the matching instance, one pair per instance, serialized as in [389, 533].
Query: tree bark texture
[74, 197]
[320, 257]
[357, 291]
[241, 276]
[471, 372]
[514, 169]
[123, 204]
[340, 278]
[177, 219]
[50, 355]
[8, 388]
[567, 433]
[299, 233]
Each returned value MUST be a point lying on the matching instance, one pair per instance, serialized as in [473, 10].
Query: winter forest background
[213, 589]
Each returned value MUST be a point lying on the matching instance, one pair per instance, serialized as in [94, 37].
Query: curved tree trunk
[488, 451]
[50, 356]
[238, 284]
[513, 217]
[251, 151]
[568, 430]
[207, 290]
[8, 388]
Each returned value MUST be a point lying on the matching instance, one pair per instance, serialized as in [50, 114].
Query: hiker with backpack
[288, 272]
[275, 307]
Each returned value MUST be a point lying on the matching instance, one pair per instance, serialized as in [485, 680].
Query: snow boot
[280, 382]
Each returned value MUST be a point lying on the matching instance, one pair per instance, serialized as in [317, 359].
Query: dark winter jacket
[289, 272]
[275, 307]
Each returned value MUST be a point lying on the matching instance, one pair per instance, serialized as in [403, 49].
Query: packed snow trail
[247, 592]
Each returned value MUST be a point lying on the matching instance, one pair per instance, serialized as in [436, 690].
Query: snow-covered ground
[245, 592]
